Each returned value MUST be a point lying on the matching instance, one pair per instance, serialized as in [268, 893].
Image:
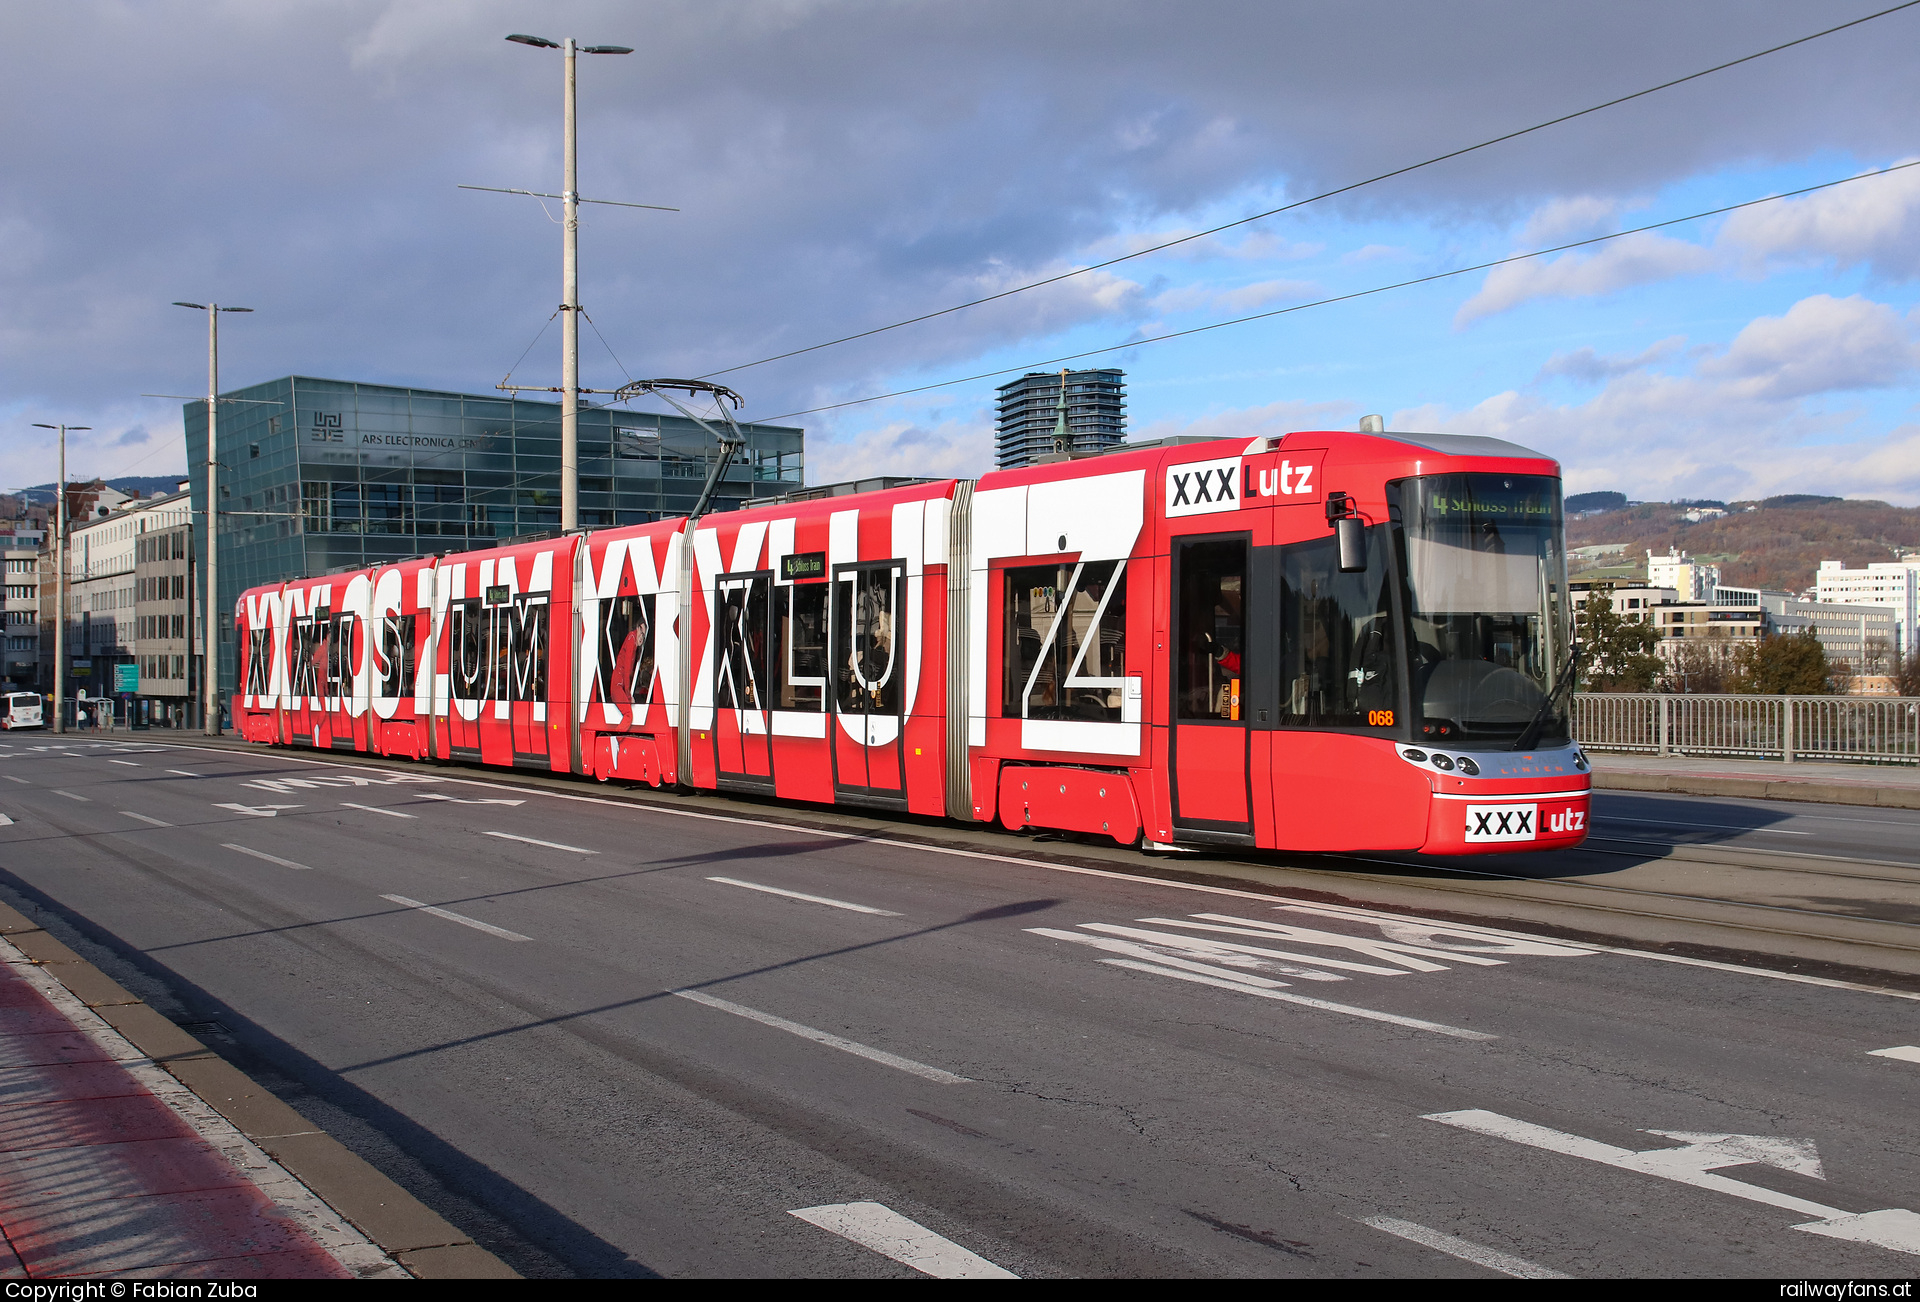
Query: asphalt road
[618, 1040]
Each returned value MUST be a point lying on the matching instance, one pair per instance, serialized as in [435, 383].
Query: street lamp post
[60, 578]
[570, 286]
[210, 606]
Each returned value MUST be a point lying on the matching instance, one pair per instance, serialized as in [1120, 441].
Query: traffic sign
[126, 678]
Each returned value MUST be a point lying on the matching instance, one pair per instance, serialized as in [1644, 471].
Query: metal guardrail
[1788, 728]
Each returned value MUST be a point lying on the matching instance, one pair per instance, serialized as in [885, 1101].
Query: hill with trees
[1777, 543]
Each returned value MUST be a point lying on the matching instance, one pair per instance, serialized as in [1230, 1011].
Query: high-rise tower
[1045, 414]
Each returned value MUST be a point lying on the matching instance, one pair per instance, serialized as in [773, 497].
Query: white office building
[1693, 580]
[101, 554]
[1894, 585]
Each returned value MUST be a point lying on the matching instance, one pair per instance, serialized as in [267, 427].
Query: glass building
[323, 475]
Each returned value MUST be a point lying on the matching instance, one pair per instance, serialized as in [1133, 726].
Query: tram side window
[1213, 590]
[800, 647]
[1065, 649]
[866, 611]
[1337, 642]
[626, 651]
[741, 671]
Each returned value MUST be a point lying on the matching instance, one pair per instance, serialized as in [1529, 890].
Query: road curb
[402, 1226]
[1824, 793]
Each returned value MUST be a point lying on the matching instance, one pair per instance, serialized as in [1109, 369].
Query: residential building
[22, 653]
[1693, 580]
[163, 624]
[101, 595]
[1894, 585]
[322, 475]
[1045, 415]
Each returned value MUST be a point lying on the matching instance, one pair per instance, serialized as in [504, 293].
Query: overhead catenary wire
[1325, 194]
[1349, 297]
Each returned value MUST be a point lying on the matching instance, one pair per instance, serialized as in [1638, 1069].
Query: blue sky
[843, 164]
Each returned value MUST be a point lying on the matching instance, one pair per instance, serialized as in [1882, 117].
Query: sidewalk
[1887, 786]
[127, 1148]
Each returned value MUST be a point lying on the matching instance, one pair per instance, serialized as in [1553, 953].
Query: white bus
[23, 710]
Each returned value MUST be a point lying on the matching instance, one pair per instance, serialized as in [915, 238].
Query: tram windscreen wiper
[1531, 733]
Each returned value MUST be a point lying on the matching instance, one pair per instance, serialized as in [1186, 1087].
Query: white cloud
[1560, 220]
[961, 447]
[1873, 222]
[1251, 298]
[1254, 422]
[1631, 260]
[1737, 426]
[1823, 344]
[1590, 366]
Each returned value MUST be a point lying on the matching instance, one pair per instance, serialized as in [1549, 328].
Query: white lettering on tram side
[1202, 487]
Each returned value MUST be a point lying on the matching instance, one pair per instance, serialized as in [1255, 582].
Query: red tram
[1322, 641]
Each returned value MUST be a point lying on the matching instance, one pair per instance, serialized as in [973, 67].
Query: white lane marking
[1896, 1228]
[71, 796]
[810, 899]
[1718, 827]
[1904, 1052]
[877, 1227]
[262, 854]
[375, 809]
[5, 821]
[259, 811]
[460, 918]
[182, 773]
[551, 845]
[1491, 1258]
[13, 778]
[128, 813]
[821, 1037]
[1370, 1014]
[1133, 879]
[129, 763]
[435, 795]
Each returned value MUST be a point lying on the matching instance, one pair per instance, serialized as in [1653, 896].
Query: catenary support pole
[570, 318]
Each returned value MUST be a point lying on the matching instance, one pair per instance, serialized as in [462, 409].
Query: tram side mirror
[1350, 531]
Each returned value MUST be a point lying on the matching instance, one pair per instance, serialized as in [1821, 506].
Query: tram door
[1210, 619]
[743, 754]
[866, 665]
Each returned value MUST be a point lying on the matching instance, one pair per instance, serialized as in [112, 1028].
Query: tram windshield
[1486, 575]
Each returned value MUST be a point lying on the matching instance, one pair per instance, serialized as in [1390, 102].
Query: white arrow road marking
[128, 813]
[1895, 1228]
[262, 854]
[460, 918]
[5, 821]
[871, 1054]
[435, 795]
[1491, 1258]
[551, 845]
[258, 811]
[810, 899]
[878, 1227]
[1905, 1052]
[375, 809]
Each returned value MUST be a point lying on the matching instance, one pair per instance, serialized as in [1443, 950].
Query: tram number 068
[1379, 718]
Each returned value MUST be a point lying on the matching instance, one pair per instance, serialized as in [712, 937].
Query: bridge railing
[1790, 728]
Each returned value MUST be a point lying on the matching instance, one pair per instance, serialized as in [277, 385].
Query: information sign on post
[126, 678]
